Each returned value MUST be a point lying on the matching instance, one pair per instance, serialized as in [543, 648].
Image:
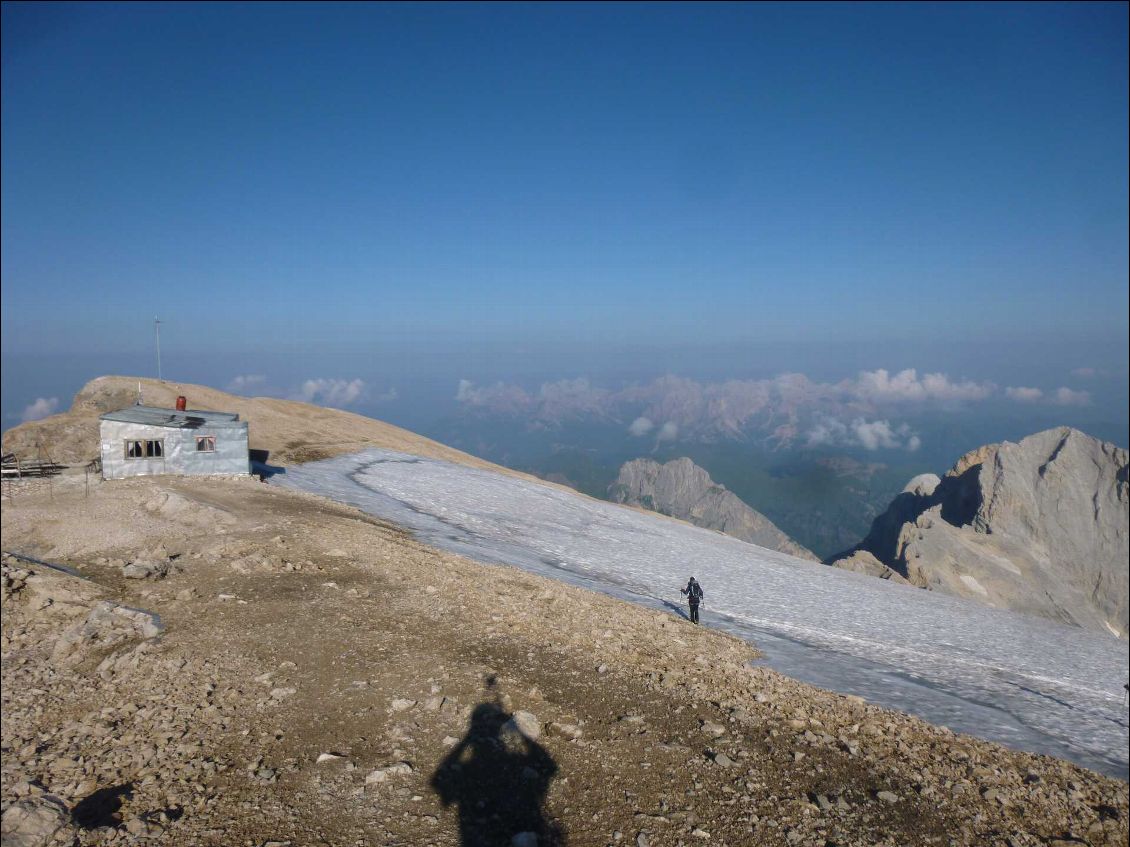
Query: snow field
[1024, 681]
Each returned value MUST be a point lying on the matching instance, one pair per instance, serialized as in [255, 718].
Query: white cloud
[905, 386]
[499, 397]
[387, 396]
[783, 409]
[1062, 396]
[1023, 395]
[871, 435]
[641, 426]
[1085, 373]
[246, 382]
[826, 432]
[1066, 397]
[466, 392]
[882, 385]
[570, 398]
[41, 408]
[579, 388]
[860, 432]
[331, 392]
[668, 432]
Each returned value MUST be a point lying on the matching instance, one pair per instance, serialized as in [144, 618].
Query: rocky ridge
[1040, 526]
[683, 490]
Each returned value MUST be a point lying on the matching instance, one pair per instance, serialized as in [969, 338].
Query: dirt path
[459, 703]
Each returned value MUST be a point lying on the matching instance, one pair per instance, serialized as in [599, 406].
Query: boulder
[146, 569]
[107, 627]
[36, 822]
[862, 561]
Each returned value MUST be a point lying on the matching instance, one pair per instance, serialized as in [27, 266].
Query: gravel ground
[234, 664]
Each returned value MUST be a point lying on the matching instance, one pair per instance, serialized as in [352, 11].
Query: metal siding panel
[181, 457]
[115, 464]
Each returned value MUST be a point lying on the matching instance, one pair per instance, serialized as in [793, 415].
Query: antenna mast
[157, 331]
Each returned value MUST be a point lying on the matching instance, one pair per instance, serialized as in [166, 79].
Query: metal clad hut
[146, 440]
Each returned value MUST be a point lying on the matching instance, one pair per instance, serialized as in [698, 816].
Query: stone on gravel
[107, 626]
[380, 775]
[146, 569]
[566, 730]
[523, 723]
[34, 822]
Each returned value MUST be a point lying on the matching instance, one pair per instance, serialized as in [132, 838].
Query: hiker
[694, 597]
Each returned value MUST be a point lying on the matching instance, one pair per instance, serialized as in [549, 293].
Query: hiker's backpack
[696, 591]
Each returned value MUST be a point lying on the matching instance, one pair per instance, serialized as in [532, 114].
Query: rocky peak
[682, 489]
[1037, 526]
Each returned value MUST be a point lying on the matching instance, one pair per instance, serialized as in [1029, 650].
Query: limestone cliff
[1039, 527]
[683, 490]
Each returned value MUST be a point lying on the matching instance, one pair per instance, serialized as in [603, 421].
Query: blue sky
[586, 187]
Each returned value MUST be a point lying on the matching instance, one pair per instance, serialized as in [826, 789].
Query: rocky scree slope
[317, 668]
[682, 489]
[1039, 526]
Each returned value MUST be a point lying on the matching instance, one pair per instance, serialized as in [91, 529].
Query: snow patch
[1002, 561]
[973, 585]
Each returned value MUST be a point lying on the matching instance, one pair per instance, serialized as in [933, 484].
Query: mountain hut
[146, 440]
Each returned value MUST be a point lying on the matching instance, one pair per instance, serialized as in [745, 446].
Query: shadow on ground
[260, 466]
[101, 808]
[498, 779]
[678, 609]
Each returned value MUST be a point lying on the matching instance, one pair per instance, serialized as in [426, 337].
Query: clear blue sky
[274, 179]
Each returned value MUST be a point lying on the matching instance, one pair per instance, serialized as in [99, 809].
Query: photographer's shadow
[499, 780]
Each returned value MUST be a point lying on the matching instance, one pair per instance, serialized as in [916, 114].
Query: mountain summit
[1039, 526]
[683, 490]
[288, 430]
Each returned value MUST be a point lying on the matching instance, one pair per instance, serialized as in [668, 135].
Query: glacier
[1026, 682]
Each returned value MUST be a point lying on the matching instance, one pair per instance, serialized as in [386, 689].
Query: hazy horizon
[429, 394]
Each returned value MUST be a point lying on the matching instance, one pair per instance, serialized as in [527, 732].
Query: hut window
[149, 449]
[205, 444]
